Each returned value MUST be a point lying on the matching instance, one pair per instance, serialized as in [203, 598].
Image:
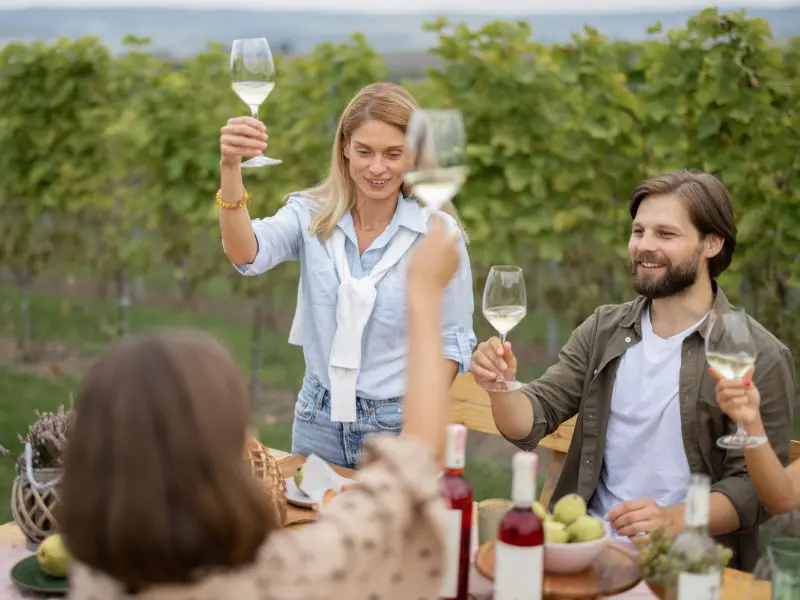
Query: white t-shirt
[644, 455]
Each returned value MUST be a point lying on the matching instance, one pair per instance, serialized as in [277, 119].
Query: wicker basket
[32, 506]
[265, 468]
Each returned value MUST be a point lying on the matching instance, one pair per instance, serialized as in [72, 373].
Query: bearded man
[636, 376]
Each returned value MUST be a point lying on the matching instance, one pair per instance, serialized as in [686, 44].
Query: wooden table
[737, 585]
[288, 464]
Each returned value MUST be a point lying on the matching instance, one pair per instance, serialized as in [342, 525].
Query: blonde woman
[352, 234]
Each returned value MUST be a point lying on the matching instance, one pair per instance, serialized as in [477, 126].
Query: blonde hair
[386, 102]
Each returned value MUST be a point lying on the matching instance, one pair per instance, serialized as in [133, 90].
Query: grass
[90, 326]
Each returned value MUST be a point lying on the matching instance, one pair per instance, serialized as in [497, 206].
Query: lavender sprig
[48, 436]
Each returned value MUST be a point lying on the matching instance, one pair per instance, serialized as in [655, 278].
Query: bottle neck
[523, 482]
[453, 472]
[697, 504]
[455, 450]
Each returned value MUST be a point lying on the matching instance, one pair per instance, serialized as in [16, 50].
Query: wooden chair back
[469, 405]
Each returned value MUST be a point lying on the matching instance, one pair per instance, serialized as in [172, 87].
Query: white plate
[295, 496]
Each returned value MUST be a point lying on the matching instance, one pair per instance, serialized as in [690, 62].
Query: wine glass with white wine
[504, 306]
[731, 352]
[253, 79]
[436, 156]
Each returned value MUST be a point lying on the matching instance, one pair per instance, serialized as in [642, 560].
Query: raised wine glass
[731, 352]
[435, 155]
[504, 306]
[253, 79]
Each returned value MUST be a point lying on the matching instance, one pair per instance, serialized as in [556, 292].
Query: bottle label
[452, 554]
[519, 572]
[692, 586]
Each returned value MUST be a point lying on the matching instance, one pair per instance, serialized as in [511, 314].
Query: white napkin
[318, 477]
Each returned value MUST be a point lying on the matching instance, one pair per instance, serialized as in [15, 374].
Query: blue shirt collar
[408, 214]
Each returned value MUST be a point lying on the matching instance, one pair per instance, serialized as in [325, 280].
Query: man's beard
[675, 279]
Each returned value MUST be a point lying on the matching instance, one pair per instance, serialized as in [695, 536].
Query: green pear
[555, 532]
[569, 508]
[298, 476]
[541, 511]
[585, 529]
[53, 556]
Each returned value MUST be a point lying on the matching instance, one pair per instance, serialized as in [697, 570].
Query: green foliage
[51, 157]
[561, 135]
[114, 160]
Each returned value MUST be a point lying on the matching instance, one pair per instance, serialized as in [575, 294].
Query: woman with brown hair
[157, 502]
[352, 236]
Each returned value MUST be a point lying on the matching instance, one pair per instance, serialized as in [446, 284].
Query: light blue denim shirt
[285, 236]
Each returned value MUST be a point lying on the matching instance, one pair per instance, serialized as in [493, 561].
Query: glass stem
[502, 343]
[740, 432]
[254, 111]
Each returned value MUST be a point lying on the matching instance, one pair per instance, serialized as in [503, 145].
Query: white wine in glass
[505, 304]
[731, 352]
[253, 79]
[435, 154]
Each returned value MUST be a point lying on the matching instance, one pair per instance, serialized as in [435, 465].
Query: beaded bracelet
[223, 204]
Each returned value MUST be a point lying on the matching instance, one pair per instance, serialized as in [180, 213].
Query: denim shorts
[339, 443]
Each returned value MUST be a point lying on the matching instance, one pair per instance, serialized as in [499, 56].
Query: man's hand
[637, 517]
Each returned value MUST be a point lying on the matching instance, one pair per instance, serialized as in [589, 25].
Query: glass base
[500, 386]
[261, 161]
[738, 441]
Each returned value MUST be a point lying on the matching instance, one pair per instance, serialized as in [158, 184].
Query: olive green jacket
[581, 382]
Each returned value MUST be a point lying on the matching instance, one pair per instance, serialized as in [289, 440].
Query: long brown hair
[386, 102]
[156, 489]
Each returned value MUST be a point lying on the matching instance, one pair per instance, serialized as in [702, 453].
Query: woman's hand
[242, 137]
[740, 401]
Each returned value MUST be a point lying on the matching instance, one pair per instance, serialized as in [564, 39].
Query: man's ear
[714, 244]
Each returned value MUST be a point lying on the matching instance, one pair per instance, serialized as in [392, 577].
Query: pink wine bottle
[457, 492]
[519, 549]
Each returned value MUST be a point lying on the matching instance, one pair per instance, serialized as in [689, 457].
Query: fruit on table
[53, 557]
[298, 476]
[569, 508]
[555, 532]
[569, 522]
[585, 529]
[658, 566]
[541, 512]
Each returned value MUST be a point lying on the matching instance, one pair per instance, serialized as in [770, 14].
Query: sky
[495, 7]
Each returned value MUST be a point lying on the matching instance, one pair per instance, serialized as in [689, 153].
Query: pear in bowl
[573, 538]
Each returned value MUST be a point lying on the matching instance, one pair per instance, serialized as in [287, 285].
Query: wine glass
[435, 156]
[504, 306]
[253, 79]
[731, 352]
